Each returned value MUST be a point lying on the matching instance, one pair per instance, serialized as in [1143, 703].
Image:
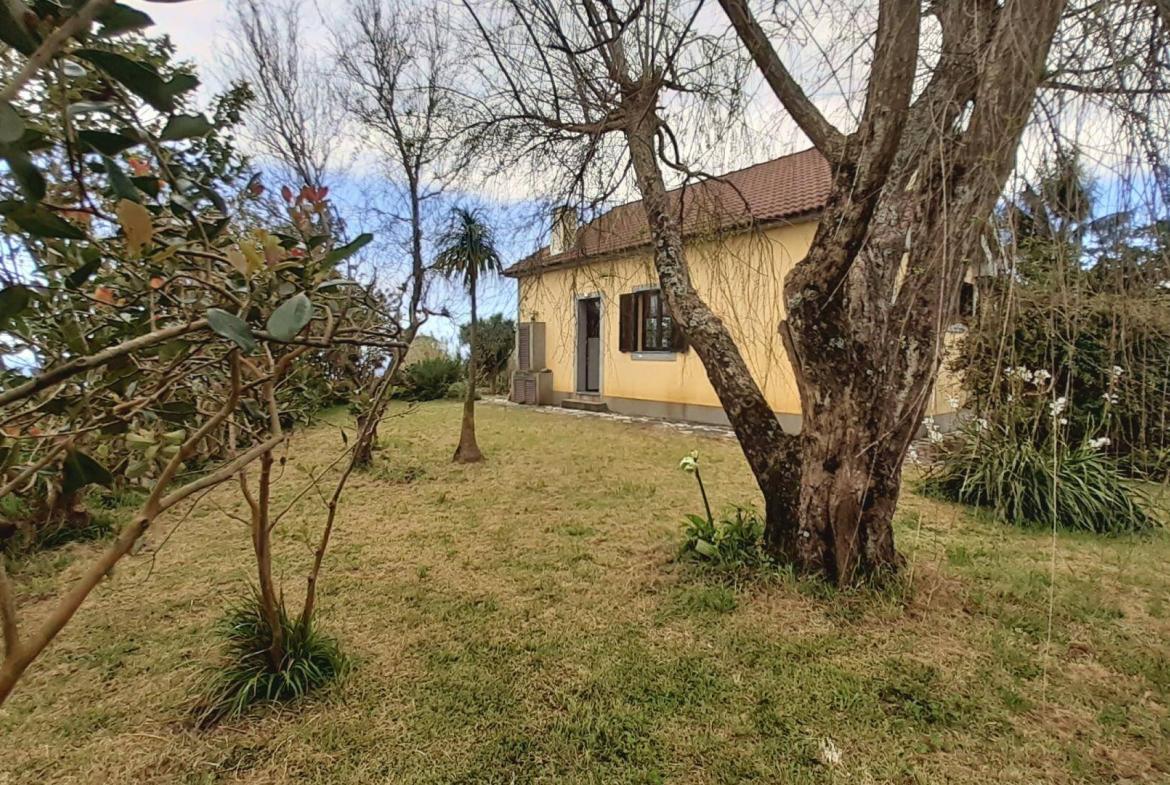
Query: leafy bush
[495, 339]
[26, 528]
[1031, 482]
[735, 539]
[1119, 391]
[1083, 298]
[430, 379]
[246, 678]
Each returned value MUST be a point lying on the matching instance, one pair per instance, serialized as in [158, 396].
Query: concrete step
[586, 403]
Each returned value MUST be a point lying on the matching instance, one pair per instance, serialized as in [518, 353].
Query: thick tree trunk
[867, 306]
[468, 449]
[851, 458]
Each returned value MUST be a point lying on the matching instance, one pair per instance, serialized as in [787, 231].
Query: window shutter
[627, 323]
[678, 339]
[524, 346]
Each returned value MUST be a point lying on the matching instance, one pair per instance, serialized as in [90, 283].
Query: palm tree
[468, 252]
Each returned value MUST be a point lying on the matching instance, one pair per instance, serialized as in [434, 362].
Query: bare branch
[830, 141]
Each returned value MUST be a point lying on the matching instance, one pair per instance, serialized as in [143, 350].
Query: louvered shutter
[627, 323]
[524, 346]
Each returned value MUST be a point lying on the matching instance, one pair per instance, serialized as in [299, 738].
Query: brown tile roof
[787, 187]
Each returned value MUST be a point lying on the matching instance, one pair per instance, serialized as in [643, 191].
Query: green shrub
[1030, 482]
[734, 539]
[246, 677]
[25, 529]
[430, 379]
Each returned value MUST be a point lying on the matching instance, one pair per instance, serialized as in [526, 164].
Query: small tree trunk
[262, 546]
[364, 452]
[468, 449]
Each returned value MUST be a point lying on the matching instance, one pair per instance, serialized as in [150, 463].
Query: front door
[589, 345]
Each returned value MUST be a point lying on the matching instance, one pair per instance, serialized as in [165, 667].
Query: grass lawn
[525, 620]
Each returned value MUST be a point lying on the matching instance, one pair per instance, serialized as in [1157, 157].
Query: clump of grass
[1032, 484]
[246, 677]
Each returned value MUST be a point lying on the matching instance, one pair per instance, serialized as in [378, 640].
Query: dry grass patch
[524, 620]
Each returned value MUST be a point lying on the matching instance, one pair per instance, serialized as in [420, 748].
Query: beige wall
[741, 278]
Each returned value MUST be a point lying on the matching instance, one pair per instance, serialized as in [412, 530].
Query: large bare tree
[294, 119]
[398, 64]
[947, 91]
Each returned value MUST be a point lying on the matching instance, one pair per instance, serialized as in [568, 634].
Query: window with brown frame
[646, 324]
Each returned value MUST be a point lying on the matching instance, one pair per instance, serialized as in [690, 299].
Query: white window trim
[661, 356]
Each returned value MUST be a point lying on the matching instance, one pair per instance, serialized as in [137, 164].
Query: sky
[199, 29]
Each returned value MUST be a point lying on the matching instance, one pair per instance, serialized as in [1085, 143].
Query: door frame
[579, 343]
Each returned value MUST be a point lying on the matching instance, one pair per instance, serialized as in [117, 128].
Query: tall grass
[1030, 483]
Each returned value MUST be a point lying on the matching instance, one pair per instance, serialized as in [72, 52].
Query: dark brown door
[589, 345]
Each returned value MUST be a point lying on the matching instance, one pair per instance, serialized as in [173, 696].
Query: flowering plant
[1020, 458]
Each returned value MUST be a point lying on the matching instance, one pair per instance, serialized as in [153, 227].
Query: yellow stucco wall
[741, 277]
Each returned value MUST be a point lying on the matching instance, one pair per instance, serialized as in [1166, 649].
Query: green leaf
[118, 19]
[185, 126]
[348, 250]
[121, 184]
[140, 79]
[82, 470]
[231, 327]
[40, 221]
[706, 549]
[334, 283]
[78, 108]
[290, 317]
[31, 181]
[148, 185]
[108, 143]
[11, 124]
[13, 300]
[175, 411]
[83, 273]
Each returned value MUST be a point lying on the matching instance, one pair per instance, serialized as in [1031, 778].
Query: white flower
[935, 435]
[1041, 376]
[1010, 398]
[952, 402]
[1111, 398]
[1063, 421]
[1024, 374]
[1057, 407]
[980, 424]
[690, 463]
[1117, 371]
[830, 753]
[912, 454]
[1099, 442]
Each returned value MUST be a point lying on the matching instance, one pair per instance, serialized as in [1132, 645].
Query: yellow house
[594, 332]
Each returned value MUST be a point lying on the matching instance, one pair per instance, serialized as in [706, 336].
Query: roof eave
[553, 263]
